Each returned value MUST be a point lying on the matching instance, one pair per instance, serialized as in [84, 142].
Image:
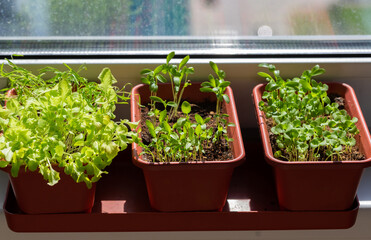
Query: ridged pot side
[318, 185]
[35, 196]
[192, 186]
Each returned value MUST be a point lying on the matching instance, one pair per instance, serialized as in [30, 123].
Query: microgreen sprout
[306, 124]
[180, 142]
[218, 86]
[179, 138]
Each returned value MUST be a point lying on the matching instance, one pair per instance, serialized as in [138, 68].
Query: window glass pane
[104, 27]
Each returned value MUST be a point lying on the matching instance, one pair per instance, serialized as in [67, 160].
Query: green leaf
[224, 84]
[199, 119]
[16, 165]
[186, 107]
[327, 100]
[174, 136]
[163, 115]
[277, 154]
[176, 81]
[12, 105]
[145, 80]
[306, 86]
[79, 143]
[226, 98]
[212, 80]
[292, 84]
[8, 154]
[265, 65]
[59, 150]
[151, 128]
[153, 87]
[198, 130]
[332, 124]
[53, 177]
[221, 74]
[265, 75]
[107, 79]
[276, 73]
[64, 88]
[172, 104]
[184, 62]
[167, 127]
[145, 71]
[190, 70]
[169, 57]
[207, 84]
[3, 164]
[214, 67]
[272, 86]
[316, 70]
[156, 99]
[206, 89]
[158, 69]
[338, 148]
[161, 78]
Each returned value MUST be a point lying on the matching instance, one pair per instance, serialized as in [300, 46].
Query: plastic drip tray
[122, 204]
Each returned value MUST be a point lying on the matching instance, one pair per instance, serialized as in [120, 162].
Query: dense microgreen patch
[63, 120]
[307, 126]
[176, 138]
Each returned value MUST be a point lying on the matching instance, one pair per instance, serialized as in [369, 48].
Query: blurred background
[184, 17]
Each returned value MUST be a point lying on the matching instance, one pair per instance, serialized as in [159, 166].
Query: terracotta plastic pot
[318, 185]
[35, 196]
[192, 186]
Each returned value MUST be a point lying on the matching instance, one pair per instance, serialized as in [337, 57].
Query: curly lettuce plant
[306, 125]
[63, 121]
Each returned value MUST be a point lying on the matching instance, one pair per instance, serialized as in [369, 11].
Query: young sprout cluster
[217, 86]
[306, 124]
[174, 138]
[178, 76]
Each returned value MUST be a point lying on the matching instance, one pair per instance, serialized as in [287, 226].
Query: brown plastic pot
[192, 186]
[318, 185]
[35, 196]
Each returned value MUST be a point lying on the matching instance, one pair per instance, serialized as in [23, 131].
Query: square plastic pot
[35, 196]
[191, 186]
[318, 185]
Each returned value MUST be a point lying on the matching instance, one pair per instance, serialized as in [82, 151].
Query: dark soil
[337, 99]
[354, 155]
[219, 151]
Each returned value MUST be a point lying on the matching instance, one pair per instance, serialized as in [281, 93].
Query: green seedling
[178, 76]
[218, 86]
[181, 142]
[174, 138]
[307, 126]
